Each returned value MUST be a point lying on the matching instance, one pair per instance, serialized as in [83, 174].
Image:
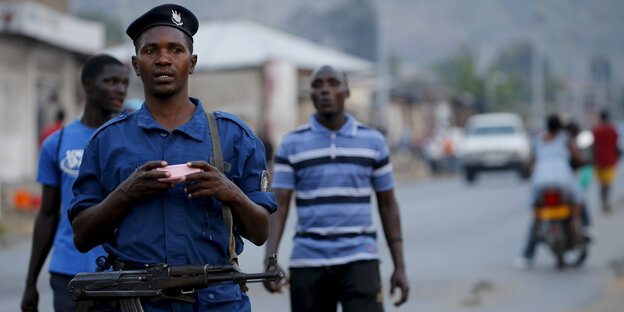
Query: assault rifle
[125, 289]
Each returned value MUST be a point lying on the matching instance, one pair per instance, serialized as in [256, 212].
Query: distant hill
[424, 32]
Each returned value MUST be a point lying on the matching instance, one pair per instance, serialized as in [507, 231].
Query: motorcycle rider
[583, 172]
[552, 153]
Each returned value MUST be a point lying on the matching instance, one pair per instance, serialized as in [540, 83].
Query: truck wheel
[524, 173]
[470, 175]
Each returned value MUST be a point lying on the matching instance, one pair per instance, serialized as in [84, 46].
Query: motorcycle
[556, 225]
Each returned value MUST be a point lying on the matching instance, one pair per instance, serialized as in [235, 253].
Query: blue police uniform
[170, 227]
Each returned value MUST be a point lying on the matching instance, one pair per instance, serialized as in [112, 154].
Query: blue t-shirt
[61, 171]
[334, 175]
[171, 227]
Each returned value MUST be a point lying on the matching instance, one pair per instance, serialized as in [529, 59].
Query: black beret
[165, 15]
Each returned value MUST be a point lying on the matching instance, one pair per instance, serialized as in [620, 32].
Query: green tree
[459, 73]
[514, 92]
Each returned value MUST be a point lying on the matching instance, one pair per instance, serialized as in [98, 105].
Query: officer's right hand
[276, 286]
[144, 182]
[30, 300]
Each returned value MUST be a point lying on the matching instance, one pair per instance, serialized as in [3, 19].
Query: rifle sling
[218, 162]
[58, 147]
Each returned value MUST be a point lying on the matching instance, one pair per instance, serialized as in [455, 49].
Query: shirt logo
[265, 181]
[176, 18]
[71, 163]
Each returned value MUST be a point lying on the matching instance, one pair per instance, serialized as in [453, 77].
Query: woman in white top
[552, 154]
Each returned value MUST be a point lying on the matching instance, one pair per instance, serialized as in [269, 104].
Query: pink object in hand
[177, 172]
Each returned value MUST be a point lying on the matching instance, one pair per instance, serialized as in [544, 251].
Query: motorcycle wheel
[559, 250]
[580, 247]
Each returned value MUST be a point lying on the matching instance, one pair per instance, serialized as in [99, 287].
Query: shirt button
[164, 134]
[211, 296]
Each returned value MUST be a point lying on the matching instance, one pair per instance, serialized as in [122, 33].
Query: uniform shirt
[60, 171]
[605, 145]
[333, 174]
[170, 227]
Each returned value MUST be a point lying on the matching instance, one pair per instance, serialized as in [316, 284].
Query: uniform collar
[348, 129]
[194, 128]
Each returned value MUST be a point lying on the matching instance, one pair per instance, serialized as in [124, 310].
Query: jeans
[63, 301]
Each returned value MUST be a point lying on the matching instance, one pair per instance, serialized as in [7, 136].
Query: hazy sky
[424, 31]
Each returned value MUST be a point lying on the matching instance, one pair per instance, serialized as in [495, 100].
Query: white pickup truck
[494, 141]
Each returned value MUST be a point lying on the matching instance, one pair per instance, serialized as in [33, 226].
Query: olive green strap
[218, 162]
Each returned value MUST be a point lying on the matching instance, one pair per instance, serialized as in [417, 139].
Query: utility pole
[382, 89]
[492, 82]
[576, 66]
[537, 70]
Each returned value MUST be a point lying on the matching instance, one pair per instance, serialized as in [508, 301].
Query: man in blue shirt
[120, 201]
[105, 82]
[334, 165]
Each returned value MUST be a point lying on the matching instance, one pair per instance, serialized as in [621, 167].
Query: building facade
[41, 53]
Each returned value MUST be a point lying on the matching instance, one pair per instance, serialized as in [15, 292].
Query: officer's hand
[210, 182]
[276, 286]
[399, 279]
[30, 300]
[144, 181]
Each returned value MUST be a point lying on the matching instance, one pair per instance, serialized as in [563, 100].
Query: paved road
[460, 243]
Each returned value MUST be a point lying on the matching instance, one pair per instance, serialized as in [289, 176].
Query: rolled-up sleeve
[250, 181]
[87, 188]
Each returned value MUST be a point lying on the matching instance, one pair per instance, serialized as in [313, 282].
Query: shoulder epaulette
[235, 119]
[117, 119]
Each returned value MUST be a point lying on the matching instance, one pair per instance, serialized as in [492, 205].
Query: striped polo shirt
[334, 175]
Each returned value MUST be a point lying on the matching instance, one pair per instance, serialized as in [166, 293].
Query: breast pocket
[119, 168]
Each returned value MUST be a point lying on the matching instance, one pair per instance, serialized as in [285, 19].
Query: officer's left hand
[210, 182]
[399, 279]
[143, 182]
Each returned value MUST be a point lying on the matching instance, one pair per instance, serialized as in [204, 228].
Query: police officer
[120, 201]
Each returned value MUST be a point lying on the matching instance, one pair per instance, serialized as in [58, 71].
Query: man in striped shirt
[334, 165]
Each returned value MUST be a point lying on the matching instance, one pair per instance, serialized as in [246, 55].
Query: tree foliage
[459, 73]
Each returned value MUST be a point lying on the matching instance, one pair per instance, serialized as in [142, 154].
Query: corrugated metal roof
[40, 22]
[241, 43]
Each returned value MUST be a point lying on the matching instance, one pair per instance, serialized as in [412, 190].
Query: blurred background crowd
[418, 69]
